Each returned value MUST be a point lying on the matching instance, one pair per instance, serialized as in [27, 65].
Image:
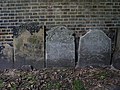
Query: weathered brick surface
[74, 14]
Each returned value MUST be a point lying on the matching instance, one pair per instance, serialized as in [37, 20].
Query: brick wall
[75, 14]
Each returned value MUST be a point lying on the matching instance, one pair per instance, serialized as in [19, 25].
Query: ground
[60, 79]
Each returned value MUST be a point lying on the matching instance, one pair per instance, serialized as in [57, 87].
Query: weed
[1, 84]
[14, 86]
[49, 86]
[53, 86]
[102, 75]
[78, 85]
[57, 85]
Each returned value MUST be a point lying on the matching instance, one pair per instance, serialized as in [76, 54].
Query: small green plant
[13, 86]
[31, 78]
[1, 83]
[102, 75]
[57, 85]
[78, 85]
[53, 86]
[49, 86]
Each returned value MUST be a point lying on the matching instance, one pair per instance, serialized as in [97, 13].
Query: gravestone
[29, 48]
[6, 56]
[116, 59]
[60, 48]
[116, 56]
[94, 49]
[118, 40]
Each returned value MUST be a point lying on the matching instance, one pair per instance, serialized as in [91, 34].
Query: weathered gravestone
[116, 56]
[60, 48]
[6, 56]
[116, 60]
[29, 48]
[94, 49]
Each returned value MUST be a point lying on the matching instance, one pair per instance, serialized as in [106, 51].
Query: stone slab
[29, 49]
[116, 56]
[6, 56]
[94, 49]
[116, 60]
[60, 48]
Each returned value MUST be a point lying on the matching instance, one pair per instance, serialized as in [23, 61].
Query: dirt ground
[60, 79]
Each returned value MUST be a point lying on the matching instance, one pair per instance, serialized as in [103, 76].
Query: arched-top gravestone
[94, 49]
[60, 48]
[29, 48]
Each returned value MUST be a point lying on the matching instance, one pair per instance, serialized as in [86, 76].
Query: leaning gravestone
[94, 49]
[29, 49]
[60, 48]
[6, 56]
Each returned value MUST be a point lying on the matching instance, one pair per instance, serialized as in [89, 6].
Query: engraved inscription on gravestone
[94, 49]
[29, 48]
[60, 48]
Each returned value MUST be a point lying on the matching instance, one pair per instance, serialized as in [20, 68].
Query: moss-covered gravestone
[94, 49]
[29, 48]
[60, 48]
[6, 56]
